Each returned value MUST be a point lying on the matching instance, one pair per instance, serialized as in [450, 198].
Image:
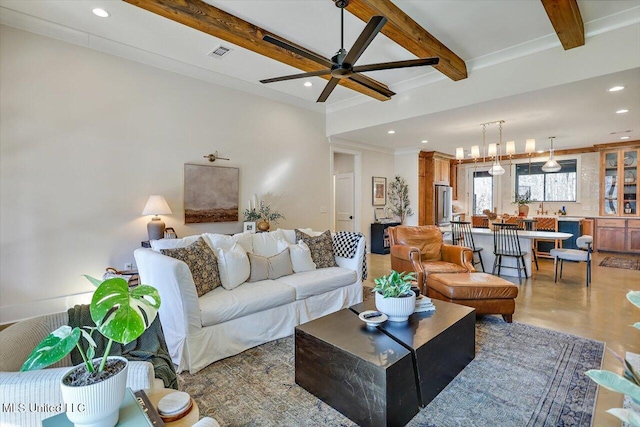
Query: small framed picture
[379, 187]
[249, 227]
[170, 233]
[380, 214]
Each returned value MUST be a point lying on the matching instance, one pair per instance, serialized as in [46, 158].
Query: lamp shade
[475, 151]
[530, 146]
[491, 152]
[511, 148]
[551, 165]
[459, 153]
[496, 169]
[156, 205]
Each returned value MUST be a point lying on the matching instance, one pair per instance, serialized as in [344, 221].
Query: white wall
[587, 204]
[86, 137]
[374, 162]
[342, 163]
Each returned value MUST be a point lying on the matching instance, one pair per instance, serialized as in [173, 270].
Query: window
[549, 187]
[482, 192]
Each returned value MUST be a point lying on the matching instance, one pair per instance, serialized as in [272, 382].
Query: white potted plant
[394, 296]
[93, 391]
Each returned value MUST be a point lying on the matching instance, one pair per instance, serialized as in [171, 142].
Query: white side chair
[575, 255]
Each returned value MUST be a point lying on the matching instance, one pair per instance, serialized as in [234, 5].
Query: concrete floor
[600, 312]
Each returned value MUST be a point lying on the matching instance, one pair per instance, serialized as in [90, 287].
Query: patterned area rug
[522, 376]
[626, 263]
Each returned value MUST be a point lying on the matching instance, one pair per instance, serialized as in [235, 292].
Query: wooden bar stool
[461, 236]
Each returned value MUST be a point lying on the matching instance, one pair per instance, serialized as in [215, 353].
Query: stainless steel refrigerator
[443, 205]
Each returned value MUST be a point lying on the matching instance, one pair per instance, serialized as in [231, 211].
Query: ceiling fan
[342, 65]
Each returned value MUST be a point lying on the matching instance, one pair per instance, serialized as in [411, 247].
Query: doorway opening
[345, 174]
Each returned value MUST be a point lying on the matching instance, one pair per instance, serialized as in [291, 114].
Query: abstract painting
[211, 193]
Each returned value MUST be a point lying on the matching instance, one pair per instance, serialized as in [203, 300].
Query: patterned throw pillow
[202, 262]
[321, 248]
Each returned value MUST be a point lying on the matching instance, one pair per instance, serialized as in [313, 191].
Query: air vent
[621, 131]
[219, 52]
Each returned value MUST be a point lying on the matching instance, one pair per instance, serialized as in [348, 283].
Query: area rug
[626, 263]
[522, 376]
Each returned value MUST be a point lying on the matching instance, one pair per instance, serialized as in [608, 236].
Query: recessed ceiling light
[391, 132]
[424, 141]
[624, 137]
[622, 111]
[616, 88]
[101, 12]
[308, 84]
[540, 151]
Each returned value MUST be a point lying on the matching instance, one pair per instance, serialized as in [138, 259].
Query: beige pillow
[263, 268]
[201, 261]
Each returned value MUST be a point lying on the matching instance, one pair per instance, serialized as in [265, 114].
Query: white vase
[397, 309]
[96, 405]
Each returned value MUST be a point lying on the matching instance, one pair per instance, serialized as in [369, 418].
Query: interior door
[345, 203]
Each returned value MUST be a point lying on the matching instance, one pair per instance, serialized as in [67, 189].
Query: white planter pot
[397, 309]
[96, 405]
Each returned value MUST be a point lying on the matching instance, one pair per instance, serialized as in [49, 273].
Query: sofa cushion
[301, 257]
[263, 268]
[290, 235]
[202, 262]
[158, 245]
[319, 281]
[268, 244]
[234, 266]
[217, 241]
[321, 248]
[221, 306]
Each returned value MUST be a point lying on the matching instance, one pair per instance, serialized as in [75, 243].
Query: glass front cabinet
[619, 193]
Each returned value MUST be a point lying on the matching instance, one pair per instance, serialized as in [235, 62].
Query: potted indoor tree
[394, 296]
[400, 204]
[522, 200]
[97, 386]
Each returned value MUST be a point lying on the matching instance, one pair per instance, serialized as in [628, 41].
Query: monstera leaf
[53, 348]
[121, 314]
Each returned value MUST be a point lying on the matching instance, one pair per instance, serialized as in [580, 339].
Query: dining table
[483, 238]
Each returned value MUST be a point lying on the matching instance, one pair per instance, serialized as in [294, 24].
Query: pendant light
[551, 165]
[496, 168]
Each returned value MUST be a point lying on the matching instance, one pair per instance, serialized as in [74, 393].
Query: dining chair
[575, 255]
[479, 221]
[544, 223]
[461, 236]
[507, 244]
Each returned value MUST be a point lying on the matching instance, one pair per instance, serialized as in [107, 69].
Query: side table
[187, 421]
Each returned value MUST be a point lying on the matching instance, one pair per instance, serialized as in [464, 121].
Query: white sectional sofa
[222, 323]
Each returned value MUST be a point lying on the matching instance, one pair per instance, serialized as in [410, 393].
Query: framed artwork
[249, 227]
[170, 233]
[379, 186]
[211, 193]
[380, 214]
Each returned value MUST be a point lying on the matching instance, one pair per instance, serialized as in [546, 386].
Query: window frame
[481, 174]
[574, 163]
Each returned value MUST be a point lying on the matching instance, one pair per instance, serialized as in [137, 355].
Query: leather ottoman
[486, 293]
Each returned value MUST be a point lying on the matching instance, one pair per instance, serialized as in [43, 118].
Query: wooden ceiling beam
[203, 17]
[567, 21]
[409, 34]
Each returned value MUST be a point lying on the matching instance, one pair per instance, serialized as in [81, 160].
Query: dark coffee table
[442, 342]
[380, 376]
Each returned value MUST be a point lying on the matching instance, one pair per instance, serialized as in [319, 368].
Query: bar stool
[507, 244]
[461, 236]
[479, 221]
[546, 224]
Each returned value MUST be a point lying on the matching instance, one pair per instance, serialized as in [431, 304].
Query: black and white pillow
[321, 248]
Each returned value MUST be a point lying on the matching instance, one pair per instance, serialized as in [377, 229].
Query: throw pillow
[201, 261]
[158, 245]
[263, 268]
[266, 244]
[234, 266]
[301, 257]
[321, 248]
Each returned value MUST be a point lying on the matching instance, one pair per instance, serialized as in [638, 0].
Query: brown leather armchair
[421, 249]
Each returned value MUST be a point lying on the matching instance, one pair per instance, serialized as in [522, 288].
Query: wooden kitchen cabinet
[619, 189]
[633, 235]
[433, 169]
[618, 235]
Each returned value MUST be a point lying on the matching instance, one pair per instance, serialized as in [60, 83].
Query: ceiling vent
[219, 52]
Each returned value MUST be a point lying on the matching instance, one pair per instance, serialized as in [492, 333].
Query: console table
[380, 237]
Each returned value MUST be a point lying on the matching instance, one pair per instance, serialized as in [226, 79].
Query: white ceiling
[473, 29]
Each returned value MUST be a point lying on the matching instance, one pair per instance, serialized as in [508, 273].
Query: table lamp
[156, 205]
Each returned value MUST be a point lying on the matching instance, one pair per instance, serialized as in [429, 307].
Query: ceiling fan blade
[297, 76]
[397, 64]
[328, 89]
[372, 29]
[371, 84]
[298, 50]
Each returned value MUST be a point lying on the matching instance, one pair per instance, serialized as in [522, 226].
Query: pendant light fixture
[551, 165]
[496, 168]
